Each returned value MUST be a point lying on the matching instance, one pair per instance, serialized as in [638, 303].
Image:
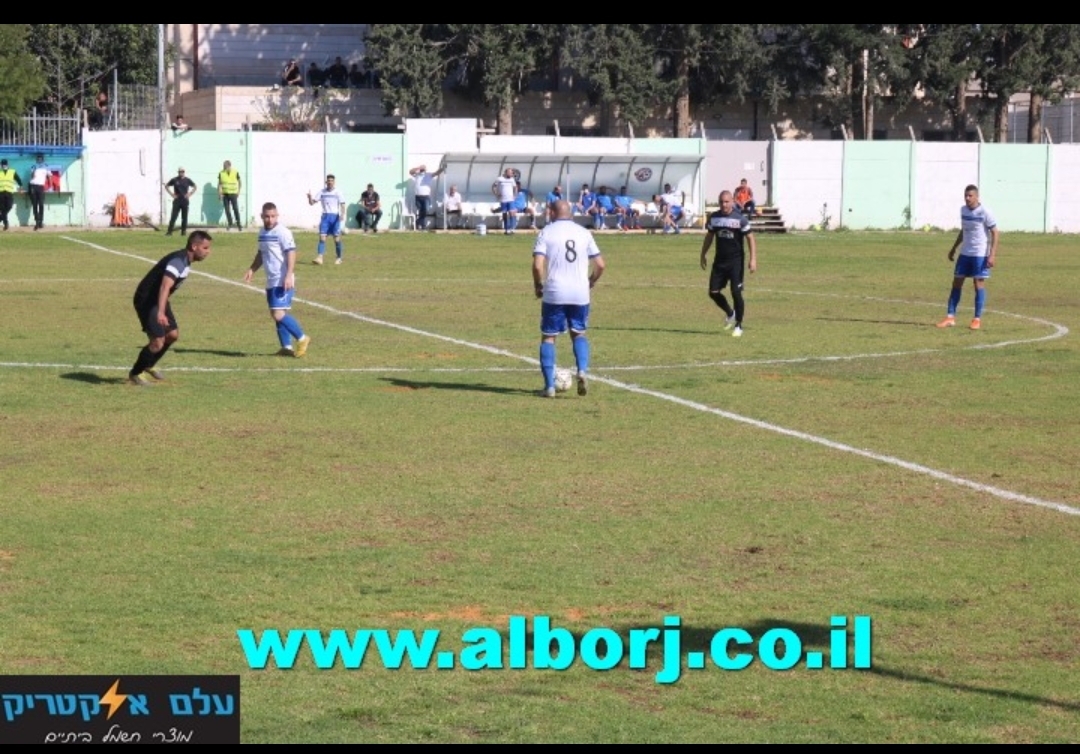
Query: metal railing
[42, 130]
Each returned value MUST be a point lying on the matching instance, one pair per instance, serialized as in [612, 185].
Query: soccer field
[844, 458]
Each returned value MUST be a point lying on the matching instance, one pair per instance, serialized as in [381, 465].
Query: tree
[410, 61]
[679, 50]
[619, 65]
[1043, 59]
[943, 61]
[21, 73]
[493, 62]
[79, 59]
[856, 67]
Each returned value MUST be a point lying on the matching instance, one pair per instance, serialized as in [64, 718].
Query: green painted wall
[360, 159]
[1014, 182]
[877, 184]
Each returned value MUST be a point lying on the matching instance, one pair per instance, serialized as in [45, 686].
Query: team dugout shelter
[643, 175]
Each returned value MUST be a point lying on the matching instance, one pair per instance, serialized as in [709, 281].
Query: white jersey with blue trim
[976, 225]
[568, 247]
[507, 188]
[331, 201]
[274, 244]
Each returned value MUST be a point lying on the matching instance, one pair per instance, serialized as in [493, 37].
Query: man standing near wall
[180, 188]
[422, 192]
[228, 189]
[39, 179]
[9, 180]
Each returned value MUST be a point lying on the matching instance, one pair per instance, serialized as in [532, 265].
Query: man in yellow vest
[9, 179]
[228, 189]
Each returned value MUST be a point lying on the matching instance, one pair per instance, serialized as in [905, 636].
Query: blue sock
[980, 301]
[581, 353]
[337, 248]
[283, 335]
[292, 327]
[322, 248]
[954, 301]
[547, 363]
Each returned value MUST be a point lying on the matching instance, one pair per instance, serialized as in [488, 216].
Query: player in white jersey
[277, 255]
[566, 265]
[505, 188]
[333, 218]
[978, 243]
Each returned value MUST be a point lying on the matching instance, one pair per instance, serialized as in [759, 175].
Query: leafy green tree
[680, 51]
[78, 59]
[857, 68]
[492, 63]
[1043, 59]
[20, 71]
[411, 61]
[619, 65]
[943, 60]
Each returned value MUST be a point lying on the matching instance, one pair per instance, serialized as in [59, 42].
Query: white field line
[795, 434]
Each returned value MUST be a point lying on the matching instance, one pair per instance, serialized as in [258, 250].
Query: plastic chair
[405, 215]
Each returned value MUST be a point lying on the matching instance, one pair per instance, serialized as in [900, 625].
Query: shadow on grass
[468, 387]
[814, 637]
[212, 352]
[93, 379]
[674, 330]
[921, 323]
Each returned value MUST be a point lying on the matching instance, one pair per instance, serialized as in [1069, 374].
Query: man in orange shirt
[744, 199]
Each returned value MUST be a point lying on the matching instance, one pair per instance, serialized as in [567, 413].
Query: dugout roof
[644, 175]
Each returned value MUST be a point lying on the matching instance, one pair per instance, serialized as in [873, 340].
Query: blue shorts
[279, 298]
[330, 225]
[554, 318]
[972, 267]
[507, 207]
[675, 211]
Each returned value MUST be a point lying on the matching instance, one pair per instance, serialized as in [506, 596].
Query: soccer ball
[563, 380]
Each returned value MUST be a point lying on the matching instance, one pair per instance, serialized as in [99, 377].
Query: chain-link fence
[130, 107]
[1060, 121]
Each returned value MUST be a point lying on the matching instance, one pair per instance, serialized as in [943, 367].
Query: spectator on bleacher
[555, 195]
[744, 199]
[316, 77]
[605, 205]
[357, 78]
[337, 75]
[291, 75]
[452, 207]
[180, 125]
[626, 215]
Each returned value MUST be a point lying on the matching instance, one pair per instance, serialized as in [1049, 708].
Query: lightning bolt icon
[113, 699]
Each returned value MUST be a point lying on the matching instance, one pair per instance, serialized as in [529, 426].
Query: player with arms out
[978, 243]
[277, 254]
[566, 265]
[729, 228]
[152, 305]
[332, 220]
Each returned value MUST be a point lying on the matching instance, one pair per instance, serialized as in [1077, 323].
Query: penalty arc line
[757, 423]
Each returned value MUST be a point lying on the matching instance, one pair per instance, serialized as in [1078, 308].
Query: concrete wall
[851, 184]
